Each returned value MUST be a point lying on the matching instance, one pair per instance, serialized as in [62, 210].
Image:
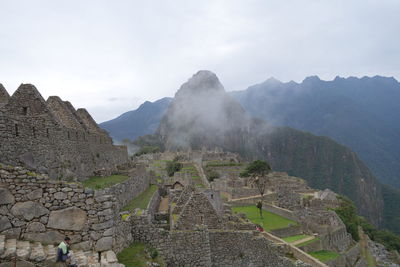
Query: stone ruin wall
[52, 137]
[35, 208]
[204, 247]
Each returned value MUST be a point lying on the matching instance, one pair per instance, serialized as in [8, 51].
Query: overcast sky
[110, 56]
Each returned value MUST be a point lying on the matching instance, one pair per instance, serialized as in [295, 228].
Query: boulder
[4, 223]
[50, 237]
[28, 210]
[68, 219]
[104, 244]
[6, 197]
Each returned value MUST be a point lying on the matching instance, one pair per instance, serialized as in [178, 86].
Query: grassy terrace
[324, 255]
[294, 238]
[270, 221]
[97, 182]
[307, 242]
[142, 200]
[192, 171]
[223, 164]
[136, 256]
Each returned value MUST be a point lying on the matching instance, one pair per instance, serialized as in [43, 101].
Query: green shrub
[172, 167]
[347, 212]
[211, 175]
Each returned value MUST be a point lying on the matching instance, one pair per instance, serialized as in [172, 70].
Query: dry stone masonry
[52, 137]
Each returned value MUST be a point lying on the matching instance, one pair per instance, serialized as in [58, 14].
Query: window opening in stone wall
[24, 110]
[77, 136]
[68, 135]
[16, 130]
[47, 133]
[34, 132]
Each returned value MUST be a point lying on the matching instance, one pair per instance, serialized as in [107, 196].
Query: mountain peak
[203, 80]
[311, 79]
[272, 81]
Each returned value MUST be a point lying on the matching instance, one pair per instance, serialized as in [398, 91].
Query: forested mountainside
[359, 113]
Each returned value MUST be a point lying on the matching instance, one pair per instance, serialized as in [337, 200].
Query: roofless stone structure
[52, 137]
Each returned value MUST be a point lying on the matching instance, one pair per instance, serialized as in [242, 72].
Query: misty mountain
[135, 123]
[359, 113]
[362, 114]
[203, 114]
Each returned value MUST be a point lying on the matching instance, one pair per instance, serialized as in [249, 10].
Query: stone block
[36, 227]
[4, 223]
[104, 244]
[50, 237]
[28, 210]
[35, 194]
[6, 197]
[60, 195]
[104, 225]
[85, 246]
[68, 219]
[12, 233]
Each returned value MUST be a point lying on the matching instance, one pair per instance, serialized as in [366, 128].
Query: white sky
[110, 56]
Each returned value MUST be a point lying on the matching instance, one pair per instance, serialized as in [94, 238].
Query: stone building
[52, 137]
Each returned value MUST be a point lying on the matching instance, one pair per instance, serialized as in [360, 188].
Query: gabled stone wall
[52, 137]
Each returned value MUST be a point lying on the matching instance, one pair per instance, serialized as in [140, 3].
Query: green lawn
[142, 200]
[294, 238]
[96, 182]
[308, 242]
[324, 255]
[270, 221]
[136, 256]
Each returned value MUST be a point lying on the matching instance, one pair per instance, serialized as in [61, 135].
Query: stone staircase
[36, 254]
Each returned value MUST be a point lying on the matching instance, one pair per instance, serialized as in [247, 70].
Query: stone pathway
[35, 254]
[163, 204]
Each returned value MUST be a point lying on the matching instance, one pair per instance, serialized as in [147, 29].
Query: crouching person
[63, 253]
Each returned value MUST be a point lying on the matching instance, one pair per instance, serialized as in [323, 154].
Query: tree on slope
[258, 171]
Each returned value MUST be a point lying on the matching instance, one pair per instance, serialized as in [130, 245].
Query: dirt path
[250, 197]
[163, 205]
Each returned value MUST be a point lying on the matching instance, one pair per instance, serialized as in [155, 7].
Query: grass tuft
[97, 182]
[137, 256]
